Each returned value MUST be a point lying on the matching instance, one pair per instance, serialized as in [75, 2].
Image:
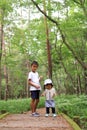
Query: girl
[49, 93]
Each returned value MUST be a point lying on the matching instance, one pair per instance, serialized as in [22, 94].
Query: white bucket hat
[48, 81]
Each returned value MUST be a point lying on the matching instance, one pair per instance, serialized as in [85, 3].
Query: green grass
[18, 106]
[74, 106]
[15, 106]
[71, 105]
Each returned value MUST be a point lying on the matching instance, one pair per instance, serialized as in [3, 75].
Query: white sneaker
[54, 115]
[46, 115]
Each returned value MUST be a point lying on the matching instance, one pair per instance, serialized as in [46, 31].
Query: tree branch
[52, 20]
[77, 2]
[62, 35]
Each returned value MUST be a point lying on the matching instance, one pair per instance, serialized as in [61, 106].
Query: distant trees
[76, 38]
[51, 32]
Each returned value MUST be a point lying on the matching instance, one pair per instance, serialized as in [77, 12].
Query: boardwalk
[26, 122]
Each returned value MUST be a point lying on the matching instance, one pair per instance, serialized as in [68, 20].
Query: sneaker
[46, 115]
[54, 115]
[35, 115]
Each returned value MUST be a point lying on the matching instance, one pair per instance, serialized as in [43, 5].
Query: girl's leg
[53, 110]
[47, 110]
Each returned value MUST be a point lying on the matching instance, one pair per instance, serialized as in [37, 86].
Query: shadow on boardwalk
[26, 122]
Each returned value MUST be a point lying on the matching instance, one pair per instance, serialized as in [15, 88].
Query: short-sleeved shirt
[34, 77]
[49, 93]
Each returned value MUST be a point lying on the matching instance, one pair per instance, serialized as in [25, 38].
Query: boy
[33, 79]
[49, 94]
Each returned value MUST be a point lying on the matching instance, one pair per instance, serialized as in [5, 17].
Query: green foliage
[5, 8]
[25, 40]
[15, 106]
[18, 105]
[71, 105]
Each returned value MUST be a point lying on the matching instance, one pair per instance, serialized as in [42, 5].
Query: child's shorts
[35, 94]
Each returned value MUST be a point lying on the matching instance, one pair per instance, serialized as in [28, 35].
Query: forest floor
[26, 122]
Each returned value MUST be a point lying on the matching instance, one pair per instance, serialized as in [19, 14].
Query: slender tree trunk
[78, 85]
[28, 69]
[0, 77]
[6, 83]
[85, 78]
[5, 68]
[0, 56]
[1, 40]
[48, 45]
[28, 63]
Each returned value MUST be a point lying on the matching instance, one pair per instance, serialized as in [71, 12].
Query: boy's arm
[33, 84]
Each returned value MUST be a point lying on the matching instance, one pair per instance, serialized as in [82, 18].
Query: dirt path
[27, 122]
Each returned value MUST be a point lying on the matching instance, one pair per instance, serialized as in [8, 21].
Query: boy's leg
[32, 104]
[36, 104]
[37, 99]
[33, 100]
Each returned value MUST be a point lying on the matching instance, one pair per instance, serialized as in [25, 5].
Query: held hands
[43, 94]
[40, 78]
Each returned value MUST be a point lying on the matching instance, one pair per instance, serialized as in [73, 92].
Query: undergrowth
[72, 105]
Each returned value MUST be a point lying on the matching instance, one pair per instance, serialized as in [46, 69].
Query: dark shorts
[35, 94]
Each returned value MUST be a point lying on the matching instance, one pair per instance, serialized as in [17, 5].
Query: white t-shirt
[49, 93]
[34, 77]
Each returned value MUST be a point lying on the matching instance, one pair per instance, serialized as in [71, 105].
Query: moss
[3, 115]
[71, 122]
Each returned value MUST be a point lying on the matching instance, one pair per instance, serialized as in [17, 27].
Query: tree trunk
[48, 45]
[85, 78]
[6, 83]
[78, 85]
[1, 41]
[28, 69]
[5, 67]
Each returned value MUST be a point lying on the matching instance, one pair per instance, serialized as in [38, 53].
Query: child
[33, 79]
[49, 93]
